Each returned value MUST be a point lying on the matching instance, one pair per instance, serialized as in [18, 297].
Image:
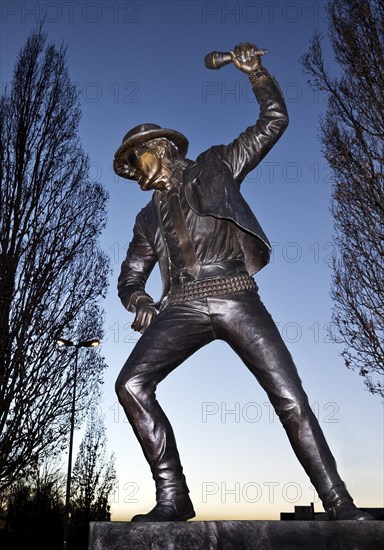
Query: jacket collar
[191, 172]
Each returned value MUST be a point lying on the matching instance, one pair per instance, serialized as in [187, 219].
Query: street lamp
[62, 342]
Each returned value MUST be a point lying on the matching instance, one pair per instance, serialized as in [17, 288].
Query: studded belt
[211, 287]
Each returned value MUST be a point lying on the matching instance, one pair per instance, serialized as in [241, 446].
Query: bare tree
[52, 272]
[32, 510]
[93, 481]
[352, 136]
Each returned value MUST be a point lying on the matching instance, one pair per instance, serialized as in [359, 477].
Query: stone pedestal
[238, 535]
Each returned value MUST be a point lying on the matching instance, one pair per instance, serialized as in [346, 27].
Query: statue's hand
[245, 58]
[145, 314]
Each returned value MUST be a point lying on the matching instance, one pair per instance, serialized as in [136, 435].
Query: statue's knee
[125, 388]
[132, 389]
[119, 388]
[291, 411]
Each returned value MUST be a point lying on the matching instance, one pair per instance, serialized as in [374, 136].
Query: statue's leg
[175, 334]
[246, 325]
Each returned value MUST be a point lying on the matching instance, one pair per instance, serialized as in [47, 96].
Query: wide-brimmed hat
[138, 135]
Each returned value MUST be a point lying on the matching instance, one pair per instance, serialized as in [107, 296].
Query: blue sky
[142, 61]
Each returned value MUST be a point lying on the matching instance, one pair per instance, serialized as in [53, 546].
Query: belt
[219, 269]
[211, 287]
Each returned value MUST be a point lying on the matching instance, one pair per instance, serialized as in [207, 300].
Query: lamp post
[61, 342]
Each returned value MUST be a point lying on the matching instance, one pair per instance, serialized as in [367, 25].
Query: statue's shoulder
[213, 164]
[212, 155]
[147, 212]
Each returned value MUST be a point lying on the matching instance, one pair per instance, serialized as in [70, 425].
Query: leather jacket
[212, 187]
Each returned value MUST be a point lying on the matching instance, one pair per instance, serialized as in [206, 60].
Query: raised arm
[246, 151]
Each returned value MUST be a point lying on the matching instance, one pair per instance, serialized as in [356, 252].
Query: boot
[346, 510]
[180, 508]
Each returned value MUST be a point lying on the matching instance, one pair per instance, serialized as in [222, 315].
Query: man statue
[208, 244]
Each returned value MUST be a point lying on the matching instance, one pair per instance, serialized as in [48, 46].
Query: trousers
[241, 320]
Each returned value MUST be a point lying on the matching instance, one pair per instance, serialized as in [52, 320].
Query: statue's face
[152, 166]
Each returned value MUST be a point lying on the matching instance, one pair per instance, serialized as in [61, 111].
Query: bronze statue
[208, 244]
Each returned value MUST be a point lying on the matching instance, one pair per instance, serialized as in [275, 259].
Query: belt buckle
[185, 278]
[182, 277]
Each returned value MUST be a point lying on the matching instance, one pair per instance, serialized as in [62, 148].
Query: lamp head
[89, 343]
[63, 342]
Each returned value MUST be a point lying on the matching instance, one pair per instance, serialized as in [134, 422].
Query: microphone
[216, 60]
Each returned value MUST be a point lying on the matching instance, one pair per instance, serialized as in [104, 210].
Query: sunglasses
[135, 154]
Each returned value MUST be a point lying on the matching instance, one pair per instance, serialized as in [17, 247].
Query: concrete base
[238, 535]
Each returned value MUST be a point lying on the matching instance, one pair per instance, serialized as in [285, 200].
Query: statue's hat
[139, 135]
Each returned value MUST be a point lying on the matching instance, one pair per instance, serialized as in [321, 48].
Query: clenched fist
[145, 314]
[246, 57]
